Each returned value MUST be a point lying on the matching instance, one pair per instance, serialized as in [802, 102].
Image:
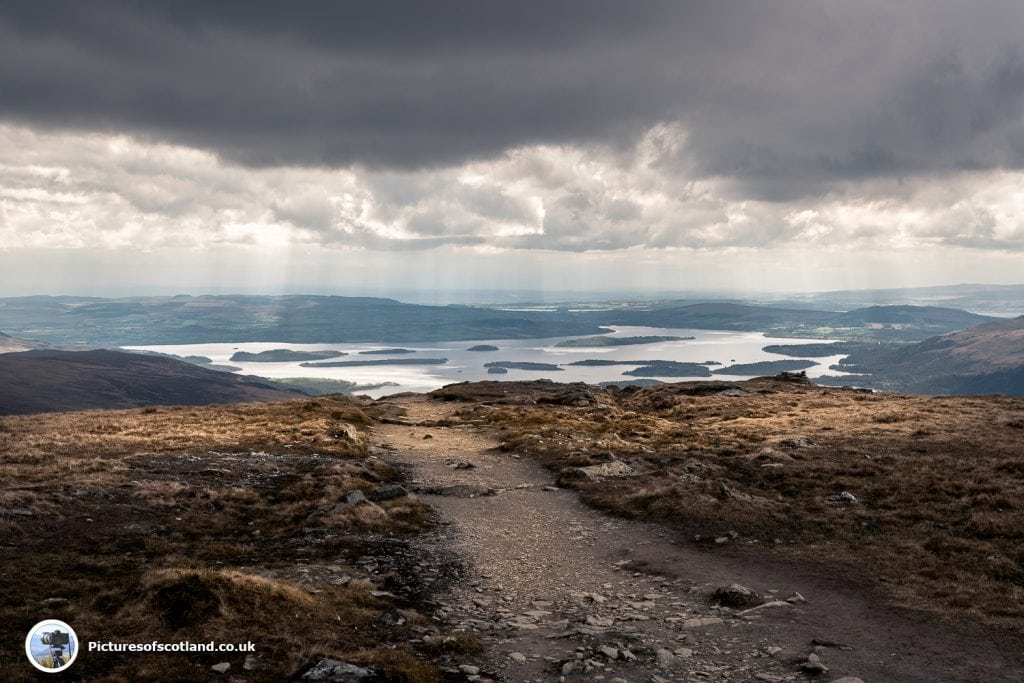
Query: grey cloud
[436, 222]
[373, 241]
[311, 211]
[494, 203]
[784, 98]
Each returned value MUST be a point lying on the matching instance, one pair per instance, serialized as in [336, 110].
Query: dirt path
[558, 589]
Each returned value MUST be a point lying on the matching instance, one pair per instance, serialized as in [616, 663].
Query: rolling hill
[94, 322]
[9, 344]
[874, 323]
[984, 359]
[57, 381]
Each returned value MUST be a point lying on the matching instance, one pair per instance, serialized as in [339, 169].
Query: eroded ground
[557, 588]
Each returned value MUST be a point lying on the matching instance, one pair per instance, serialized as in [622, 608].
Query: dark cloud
[783, 97]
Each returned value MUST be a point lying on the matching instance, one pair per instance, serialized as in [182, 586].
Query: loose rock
[458, 490]
[356, 497]
[736, 596]
[813, 665]
[338, 672]
[388, 493]
[842, 498]
[664, 659]
[615, 468]
[54, 603]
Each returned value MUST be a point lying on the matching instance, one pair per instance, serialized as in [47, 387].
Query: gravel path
[557, 590]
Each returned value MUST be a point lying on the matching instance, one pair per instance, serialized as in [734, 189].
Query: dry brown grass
[170, 524]
[110, 434]
[939, 482]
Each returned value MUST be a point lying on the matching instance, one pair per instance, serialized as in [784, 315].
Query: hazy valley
[875, 346]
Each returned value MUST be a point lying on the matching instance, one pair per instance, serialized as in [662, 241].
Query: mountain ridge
[92, 323]
[987, 358]
[50, 380]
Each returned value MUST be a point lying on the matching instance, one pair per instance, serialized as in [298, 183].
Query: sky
[584, 145]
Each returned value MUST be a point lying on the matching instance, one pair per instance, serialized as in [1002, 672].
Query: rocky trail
[556, 590]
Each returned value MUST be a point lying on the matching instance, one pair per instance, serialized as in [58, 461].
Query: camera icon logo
[51, 646]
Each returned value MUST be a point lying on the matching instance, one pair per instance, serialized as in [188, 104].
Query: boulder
[54, 603]
[355, 497]
[351, 499]
[343, 431]
[338, 672]
[388, 492]
[795, 377]
[736, 596]
[615, 468]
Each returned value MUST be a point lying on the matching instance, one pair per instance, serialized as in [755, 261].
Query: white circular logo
[51, 646]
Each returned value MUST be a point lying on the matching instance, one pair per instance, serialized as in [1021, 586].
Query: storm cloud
[784, 98]
[822, 143]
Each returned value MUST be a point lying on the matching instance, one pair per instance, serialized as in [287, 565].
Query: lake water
[727, 348]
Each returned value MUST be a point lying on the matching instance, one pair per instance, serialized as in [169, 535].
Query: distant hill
[9, 344]
[1002, 300]
[874, 323]
[711, 316]
[765, 367]
[984, 359]
[138, 321]
[283, 355]
[935, 316]
[135, 321]
[54, 381]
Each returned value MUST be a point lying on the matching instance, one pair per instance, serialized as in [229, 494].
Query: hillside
[1003, 300]
[134, 321]
[711, 316]
[9, 344]
[131, 321]
[55, 381]
[925, 316]
[874, 323]
[984, 359]
[415, 538]
[252, 522]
